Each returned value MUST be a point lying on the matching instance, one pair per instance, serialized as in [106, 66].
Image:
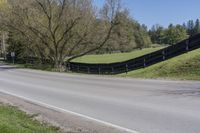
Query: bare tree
[62, 30]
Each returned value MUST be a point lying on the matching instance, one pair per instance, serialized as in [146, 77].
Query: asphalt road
[145, 106]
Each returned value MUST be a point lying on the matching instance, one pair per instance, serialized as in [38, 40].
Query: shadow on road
[4, 67]
[183, 92]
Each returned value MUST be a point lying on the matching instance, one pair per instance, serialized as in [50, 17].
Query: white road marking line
[73, 113]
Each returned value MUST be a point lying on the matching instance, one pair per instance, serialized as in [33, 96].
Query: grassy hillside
[14, 121]
[186, 66]
[110, 58]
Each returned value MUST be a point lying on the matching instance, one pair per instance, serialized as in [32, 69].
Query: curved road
[145, 106]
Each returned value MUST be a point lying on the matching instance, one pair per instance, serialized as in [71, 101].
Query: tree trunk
[58, 65]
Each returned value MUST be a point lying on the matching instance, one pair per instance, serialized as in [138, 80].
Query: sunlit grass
[186, 66]
[117, 57]
[13, 120]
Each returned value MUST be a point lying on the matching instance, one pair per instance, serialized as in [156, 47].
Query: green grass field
[111, 58]
[13, 120]
[185, 67]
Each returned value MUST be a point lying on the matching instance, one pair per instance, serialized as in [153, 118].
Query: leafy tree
[174, 34]
[170, 35]
[142, 37]
[127, 35]
[19, 45]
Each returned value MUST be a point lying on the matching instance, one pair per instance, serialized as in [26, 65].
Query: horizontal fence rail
[182, 47]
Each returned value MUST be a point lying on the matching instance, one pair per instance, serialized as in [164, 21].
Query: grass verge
[183, 67]
[13, 120]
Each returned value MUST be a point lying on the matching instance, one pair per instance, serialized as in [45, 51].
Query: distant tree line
[174, 33]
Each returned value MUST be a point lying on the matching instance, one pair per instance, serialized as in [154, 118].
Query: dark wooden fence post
[99, 70]
[144, 62]
[127, 68]
[88, 69]
[187, 45]
[112, 70]
[78, 69]
[163, 53]
[68, 66]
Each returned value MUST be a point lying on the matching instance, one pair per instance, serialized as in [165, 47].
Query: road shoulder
[67, 122]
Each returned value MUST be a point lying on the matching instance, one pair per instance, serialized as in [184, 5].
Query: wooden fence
[182, 47]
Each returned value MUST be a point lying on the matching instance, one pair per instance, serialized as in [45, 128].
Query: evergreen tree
[190, 27]
[184, 25]
[197, 27]
[156, 34]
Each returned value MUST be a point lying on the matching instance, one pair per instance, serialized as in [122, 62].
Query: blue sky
[161, 12]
